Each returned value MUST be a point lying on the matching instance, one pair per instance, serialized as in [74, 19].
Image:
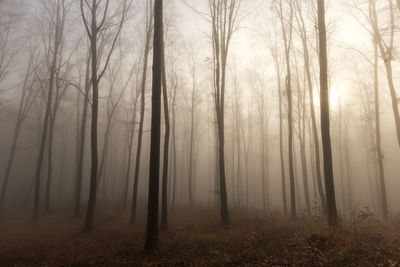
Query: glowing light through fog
[334, 100]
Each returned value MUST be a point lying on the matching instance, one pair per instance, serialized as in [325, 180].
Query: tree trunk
[282, 161]
[53, 67]
[82, 141]
[130, 145]
[9, 164]
[164, 215]
[93, 134]
[304, 159]
[152, 207]
[49, 161]
[174, 148]
[379, 154]
[325, 131]
[288, 83]
[191, 144]
[141, 122]
[312, 110]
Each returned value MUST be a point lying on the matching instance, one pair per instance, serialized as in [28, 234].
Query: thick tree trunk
[152, 206]
[325, 131]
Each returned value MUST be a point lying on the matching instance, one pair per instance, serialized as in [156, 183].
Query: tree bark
[151, 243]
[164, 215]
[325, 131]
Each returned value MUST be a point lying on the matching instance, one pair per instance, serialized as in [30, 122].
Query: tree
[287, 39]
[149, 27]
[95, 29]
[306, 56]
[379, 153]
[193, 101]
[57, 13]
[131, 133]
[174, 88]
[386, 50]
[273, 46]
[301, 134]
[164, 215]
[28, 96]
[61, 88]
[324, 104]
[112, 104]
[224, 15]
[152, 205]
[82, 135]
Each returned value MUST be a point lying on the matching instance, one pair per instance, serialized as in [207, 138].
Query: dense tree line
[206, 129]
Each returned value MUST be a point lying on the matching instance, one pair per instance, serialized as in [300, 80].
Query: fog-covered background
[252, 118]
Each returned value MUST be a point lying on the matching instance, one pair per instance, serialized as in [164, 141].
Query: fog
[242, 82]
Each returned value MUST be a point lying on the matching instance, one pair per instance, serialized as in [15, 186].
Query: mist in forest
[145, 110]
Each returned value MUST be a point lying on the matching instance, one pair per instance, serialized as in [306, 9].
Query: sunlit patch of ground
[194, 237]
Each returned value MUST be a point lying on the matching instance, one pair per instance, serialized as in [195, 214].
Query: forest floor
[194, 237]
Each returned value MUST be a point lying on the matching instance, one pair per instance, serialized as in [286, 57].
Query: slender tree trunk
[312, 110]
[82, 141]
[174, 148]
[340, 146]
[304, 163]
[164, 215]
[246, 148]
[233, 157]
[9, 164]
[191, 144]
[93, 134]
[348, 168]
[53, 67]
[238, 127]
[49, 161]
[141, 122]
[288, 83]
[282, 161]
[130, 145]
[379, 155]
[263, 191]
